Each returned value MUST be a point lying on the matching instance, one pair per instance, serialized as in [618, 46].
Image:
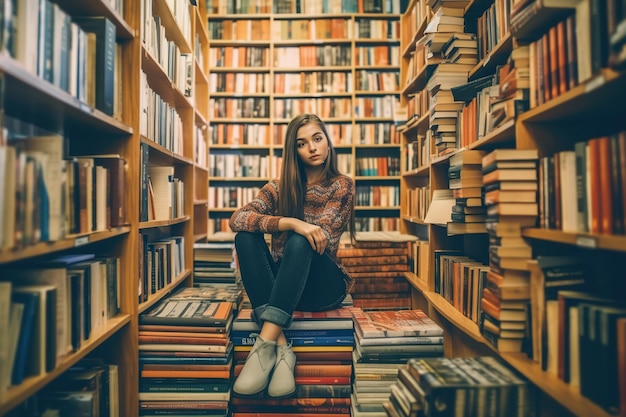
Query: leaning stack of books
[378, 261]
[185, 356]
[465, 176]
[384, 341]
[323, 343]
[479, 386]
[510, 183]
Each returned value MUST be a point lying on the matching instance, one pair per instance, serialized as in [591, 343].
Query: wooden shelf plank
[585, 240]
[71, 241]
[15, 395]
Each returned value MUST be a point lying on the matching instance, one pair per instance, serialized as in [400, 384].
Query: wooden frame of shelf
[565, 394]
[18, 394]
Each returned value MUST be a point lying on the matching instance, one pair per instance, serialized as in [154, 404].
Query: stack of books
[214, 263]
[384, 341]
[378, 262]
[479, 386]
[446, 24]
[510, 182]
[465, 178]
[213, 292]
[323, 343]
[185, 356]
[513, 96]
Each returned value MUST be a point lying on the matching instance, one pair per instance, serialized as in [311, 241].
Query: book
[509, 155]
[189, 312]
[340, 318]
[105, 56]
[567, 299]
[510, 285]
[389, 323]
[548, 275]
[42, 351]
[513, 174]
[399, 350]
[184, 396]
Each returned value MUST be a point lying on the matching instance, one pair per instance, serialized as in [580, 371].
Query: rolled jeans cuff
[256, 315]
[276, 316]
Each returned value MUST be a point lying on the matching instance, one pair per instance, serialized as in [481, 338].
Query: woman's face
[312, 145]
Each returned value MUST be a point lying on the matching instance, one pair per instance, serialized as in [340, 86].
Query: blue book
[30, 301]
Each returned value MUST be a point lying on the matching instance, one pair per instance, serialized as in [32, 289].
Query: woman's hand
[314, 234]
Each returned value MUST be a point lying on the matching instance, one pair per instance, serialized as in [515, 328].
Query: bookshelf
[162, 74]
[587, 109]
[269, 63]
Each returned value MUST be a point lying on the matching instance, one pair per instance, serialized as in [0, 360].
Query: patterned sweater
[327, 204]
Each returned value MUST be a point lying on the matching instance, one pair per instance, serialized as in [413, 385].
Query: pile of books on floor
[479, 386]
[323, 343]
[510, 183]
[384, 341]
[214, 263]
[378, 262]
[185, 355]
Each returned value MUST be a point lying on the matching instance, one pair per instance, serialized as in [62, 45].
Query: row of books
[49, 195]
[584, 189]
[78, 55]
[220, 7]
[51, 309]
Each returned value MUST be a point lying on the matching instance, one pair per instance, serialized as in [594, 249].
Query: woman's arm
[259, 214]
[334, 214]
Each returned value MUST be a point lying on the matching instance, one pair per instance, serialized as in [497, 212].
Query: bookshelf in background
[270, 62]
[569, 118]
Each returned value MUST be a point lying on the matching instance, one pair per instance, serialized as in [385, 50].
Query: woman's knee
[297, 242]
[245, 239]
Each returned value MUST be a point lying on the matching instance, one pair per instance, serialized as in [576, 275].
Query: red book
[606, 188]
[593, 193]
[562, 57]
[394, 323]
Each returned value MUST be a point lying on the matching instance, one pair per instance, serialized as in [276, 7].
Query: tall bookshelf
[142, 78]
[271, 62]
[585, 111]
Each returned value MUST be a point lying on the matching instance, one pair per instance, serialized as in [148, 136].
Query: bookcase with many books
[270, 61]
[104, 183]
[568, 58]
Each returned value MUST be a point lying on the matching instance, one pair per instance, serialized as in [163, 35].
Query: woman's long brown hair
[293, 175]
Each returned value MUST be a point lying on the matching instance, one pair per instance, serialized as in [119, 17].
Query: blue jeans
[303, 280]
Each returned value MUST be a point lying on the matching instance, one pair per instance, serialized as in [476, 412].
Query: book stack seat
[185, 355]
[510, 184]
[478, 386]
[384, 341]
[323, 343]
[378, 262]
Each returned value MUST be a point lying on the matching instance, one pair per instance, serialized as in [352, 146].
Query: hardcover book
[390, 323]
[340, 318]
[190, 312]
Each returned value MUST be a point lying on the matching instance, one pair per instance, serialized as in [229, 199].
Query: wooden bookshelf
[588, 110]
[36, 101]
[278, 70]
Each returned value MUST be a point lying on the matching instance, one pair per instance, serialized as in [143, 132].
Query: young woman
[306, 211]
